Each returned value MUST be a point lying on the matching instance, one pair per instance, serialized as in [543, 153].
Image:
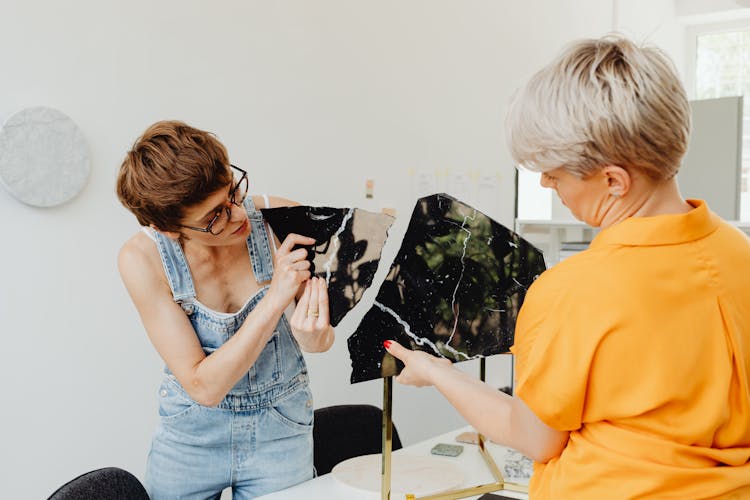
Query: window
[722, 69]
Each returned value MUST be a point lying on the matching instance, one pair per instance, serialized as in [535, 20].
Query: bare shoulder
[273, 202]
[138, 260]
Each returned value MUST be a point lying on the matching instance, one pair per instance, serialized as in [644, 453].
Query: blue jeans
[255, 444]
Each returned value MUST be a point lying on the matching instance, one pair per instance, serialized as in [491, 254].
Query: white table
[471, 463]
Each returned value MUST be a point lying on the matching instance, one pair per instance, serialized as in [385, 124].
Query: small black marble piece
[348, 244]
[454, 289]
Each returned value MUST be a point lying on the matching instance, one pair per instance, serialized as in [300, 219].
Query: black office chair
[110, 483]
[345, 431]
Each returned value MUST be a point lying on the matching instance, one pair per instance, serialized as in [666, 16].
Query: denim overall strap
[175, 267]
[258, 439]
[257, 244]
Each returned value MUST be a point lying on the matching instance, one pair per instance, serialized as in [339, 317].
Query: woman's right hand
[419, 366]
[290, 269]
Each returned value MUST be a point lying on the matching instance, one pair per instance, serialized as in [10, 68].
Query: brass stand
[499, 484]
[385, 470]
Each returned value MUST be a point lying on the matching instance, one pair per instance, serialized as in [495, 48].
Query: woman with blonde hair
[633, 356]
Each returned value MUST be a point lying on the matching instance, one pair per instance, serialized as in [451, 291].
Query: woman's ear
[618, 180]
[169, 234]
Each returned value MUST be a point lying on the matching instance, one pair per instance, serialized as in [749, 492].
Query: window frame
[691, 46]
[691, 53]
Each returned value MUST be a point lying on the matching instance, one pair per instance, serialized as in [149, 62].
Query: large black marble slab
[454, 289]
[348, 244]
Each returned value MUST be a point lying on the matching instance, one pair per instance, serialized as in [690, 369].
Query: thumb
[396, 350]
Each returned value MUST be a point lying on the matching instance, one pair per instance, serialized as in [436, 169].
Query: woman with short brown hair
[235, 403]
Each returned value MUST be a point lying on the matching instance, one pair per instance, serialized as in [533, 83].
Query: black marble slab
[348, 244]
[454, 289]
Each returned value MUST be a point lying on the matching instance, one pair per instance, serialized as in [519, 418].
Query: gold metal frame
[385, 490]
[385, 470]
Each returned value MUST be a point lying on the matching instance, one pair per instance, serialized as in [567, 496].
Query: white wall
[301, 93]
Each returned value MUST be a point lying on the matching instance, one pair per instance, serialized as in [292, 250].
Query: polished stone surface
[454, 289]
[44, 158]
[348, 244]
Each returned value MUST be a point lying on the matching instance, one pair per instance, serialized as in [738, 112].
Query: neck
[647, 198]
[209, 252]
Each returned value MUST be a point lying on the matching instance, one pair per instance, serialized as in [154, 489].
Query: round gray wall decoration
[44, 158]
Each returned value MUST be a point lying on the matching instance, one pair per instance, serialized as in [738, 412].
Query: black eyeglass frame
[226, 207]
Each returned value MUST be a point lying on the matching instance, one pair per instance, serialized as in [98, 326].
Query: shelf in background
[559, 239]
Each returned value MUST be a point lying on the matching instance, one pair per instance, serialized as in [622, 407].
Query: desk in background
[470, 462]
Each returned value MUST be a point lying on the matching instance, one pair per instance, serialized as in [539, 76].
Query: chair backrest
[345, 431]
[109, 483]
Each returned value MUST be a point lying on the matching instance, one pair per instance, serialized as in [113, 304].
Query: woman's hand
[290, 270]
[419, 367]
[311, 319]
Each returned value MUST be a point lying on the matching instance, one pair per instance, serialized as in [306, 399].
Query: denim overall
[259, 438]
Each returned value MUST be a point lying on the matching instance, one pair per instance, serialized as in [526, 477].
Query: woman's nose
[235, 212]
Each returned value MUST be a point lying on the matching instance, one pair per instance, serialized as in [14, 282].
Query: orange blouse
[640, 347]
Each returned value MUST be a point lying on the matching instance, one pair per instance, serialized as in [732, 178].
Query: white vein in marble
[454, 307]
[337, 244]
[421, 340]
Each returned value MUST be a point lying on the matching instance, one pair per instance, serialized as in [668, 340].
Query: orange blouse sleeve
[556, 339]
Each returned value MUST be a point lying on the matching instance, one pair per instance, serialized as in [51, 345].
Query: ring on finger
[313, 313]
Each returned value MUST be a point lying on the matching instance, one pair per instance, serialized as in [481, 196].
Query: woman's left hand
[311, 319]
[419, 367]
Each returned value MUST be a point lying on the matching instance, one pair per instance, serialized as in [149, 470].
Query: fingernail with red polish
[387, 343]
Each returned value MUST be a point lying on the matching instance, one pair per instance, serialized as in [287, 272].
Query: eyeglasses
[237, 195]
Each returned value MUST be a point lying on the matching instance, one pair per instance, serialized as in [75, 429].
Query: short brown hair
[170, 167]
[602, 101]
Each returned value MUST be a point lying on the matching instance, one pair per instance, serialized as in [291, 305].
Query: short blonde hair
[602, 102]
